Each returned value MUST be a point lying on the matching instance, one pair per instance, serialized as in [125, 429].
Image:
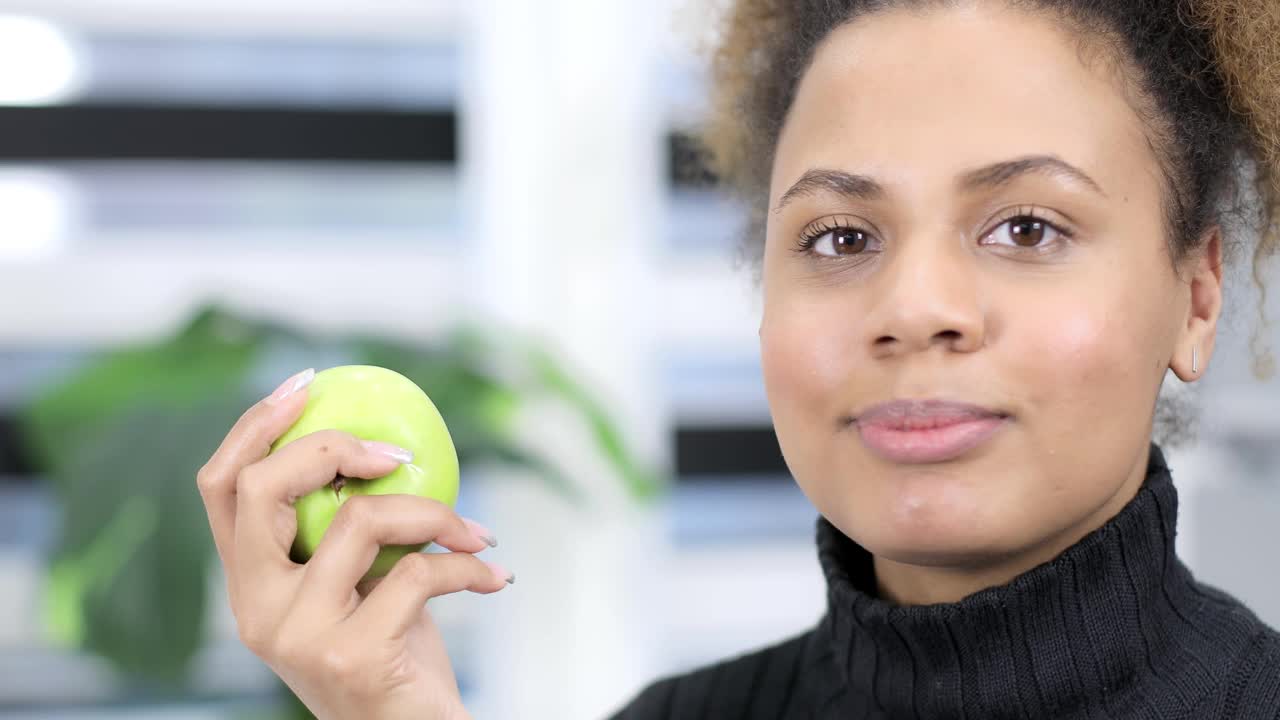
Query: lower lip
[934, 445]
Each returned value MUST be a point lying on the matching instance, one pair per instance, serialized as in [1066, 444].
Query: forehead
[902, 94]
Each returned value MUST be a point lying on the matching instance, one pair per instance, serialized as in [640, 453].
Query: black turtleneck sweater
[1114, 627]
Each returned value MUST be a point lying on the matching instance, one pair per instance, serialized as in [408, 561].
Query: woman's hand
[347, 653]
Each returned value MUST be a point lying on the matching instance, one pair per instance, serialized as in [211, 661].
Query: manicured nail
[293, 385]
[506, 575]
[481, 532]
[395, 452]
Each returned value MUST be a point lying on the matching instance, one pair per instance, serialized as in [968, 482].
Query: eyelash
[818, 229]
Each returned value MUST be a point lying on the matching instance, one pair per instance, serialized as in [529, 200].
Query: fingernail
[481, 532]
[500, 572]
[293, 385]
[395, 452]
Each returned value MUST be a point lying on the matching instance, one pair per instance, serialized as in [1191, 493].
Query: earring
[1195, 361]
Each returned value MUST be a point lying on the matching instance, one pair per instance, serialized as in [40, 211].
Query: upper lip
[903, 411]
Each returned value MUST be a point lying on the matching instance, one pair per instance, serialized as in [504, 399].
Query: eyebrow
[988, 177]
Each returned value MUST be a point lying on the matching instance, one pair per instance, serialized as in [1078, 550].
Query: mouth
[926, 431]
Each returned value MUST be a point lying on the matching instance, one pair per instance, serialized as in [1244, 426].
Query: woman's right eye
[840, 241]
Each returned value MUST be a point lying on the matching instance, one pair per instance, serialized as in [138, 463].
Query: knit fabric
[1114, 627]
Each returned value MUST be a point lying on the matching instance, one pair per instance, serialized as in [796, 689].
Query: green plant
[120, 441]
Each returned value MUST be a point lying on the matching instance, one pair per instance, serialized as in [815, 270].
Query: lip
[926, 431]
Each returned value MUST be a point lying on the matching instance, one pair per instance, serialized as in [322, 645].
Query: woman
[986, 230]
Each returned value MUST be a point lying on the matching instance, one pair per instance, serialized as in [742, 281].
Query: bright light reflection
[39, 64]
[37, 211]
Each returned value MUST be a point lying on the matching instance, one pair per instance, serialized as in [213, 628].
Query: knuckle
[206, 480]
[355, 515]
[337, 663]
[249, 482]
[418, 569]
[256, 635]
[356, 511]
[243, 479]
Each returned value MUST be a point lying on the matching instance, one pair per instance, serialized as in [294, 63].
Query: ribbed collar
[1096, 629]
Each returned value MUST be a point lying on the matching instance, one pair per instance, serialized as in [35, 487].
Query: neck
[903, 583]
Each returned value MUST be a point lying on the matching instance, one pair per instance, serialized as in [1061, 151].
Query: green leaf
[500, 452]
[537, 372]
[643, 483]
[138, 537]
[208, 358]
[120, 441]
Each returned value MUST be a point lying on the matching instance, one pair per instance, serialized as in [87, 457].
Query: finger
[364, 523]
[266, 521]
[396, 603]
[366, 585]
[247, 442]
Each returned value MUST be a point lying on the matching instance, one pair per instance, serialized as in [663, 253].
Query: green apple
[373, 403]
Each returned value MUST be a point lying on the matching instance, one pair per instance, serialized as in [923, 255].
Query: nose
[927, 295]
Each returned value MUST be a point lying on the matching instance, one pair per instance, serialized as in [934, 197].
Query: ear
[1200, 328]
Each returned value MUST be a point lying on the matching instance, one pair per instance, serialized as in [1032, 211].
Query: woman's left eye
[1025, 231]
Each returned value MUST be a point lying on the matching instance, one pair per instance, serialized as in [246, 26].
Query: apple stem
[338, 483]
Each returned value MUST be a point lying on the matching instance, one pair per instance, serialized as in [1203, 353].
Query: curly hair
[1204, 75]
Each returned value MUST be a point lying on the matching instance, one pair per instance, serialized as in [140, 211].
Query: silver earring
[1195, 361]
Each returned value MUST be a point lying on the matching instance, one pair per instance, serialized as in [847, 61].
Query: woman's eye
[1024, 231]
[842, 241]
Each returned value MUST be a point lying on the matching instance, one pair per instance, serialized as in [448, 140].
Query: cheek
[808, 356]
[1086, 367]
[809, 361]
[1069, 353]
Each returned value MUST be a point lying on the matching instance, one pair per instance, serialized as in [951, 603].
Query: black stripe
[728, 451]
[117, 131]
[701, 452]
[101, 131]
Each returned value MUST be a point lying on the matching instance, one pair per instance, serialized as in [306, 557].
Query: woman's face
[986, 225]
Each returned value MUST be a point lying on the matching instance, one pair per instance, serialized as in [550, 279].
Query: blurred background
[498, 198]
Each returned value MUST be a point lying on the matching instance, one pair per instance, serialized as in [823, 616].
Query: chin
[936, 514]
[942, 524]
